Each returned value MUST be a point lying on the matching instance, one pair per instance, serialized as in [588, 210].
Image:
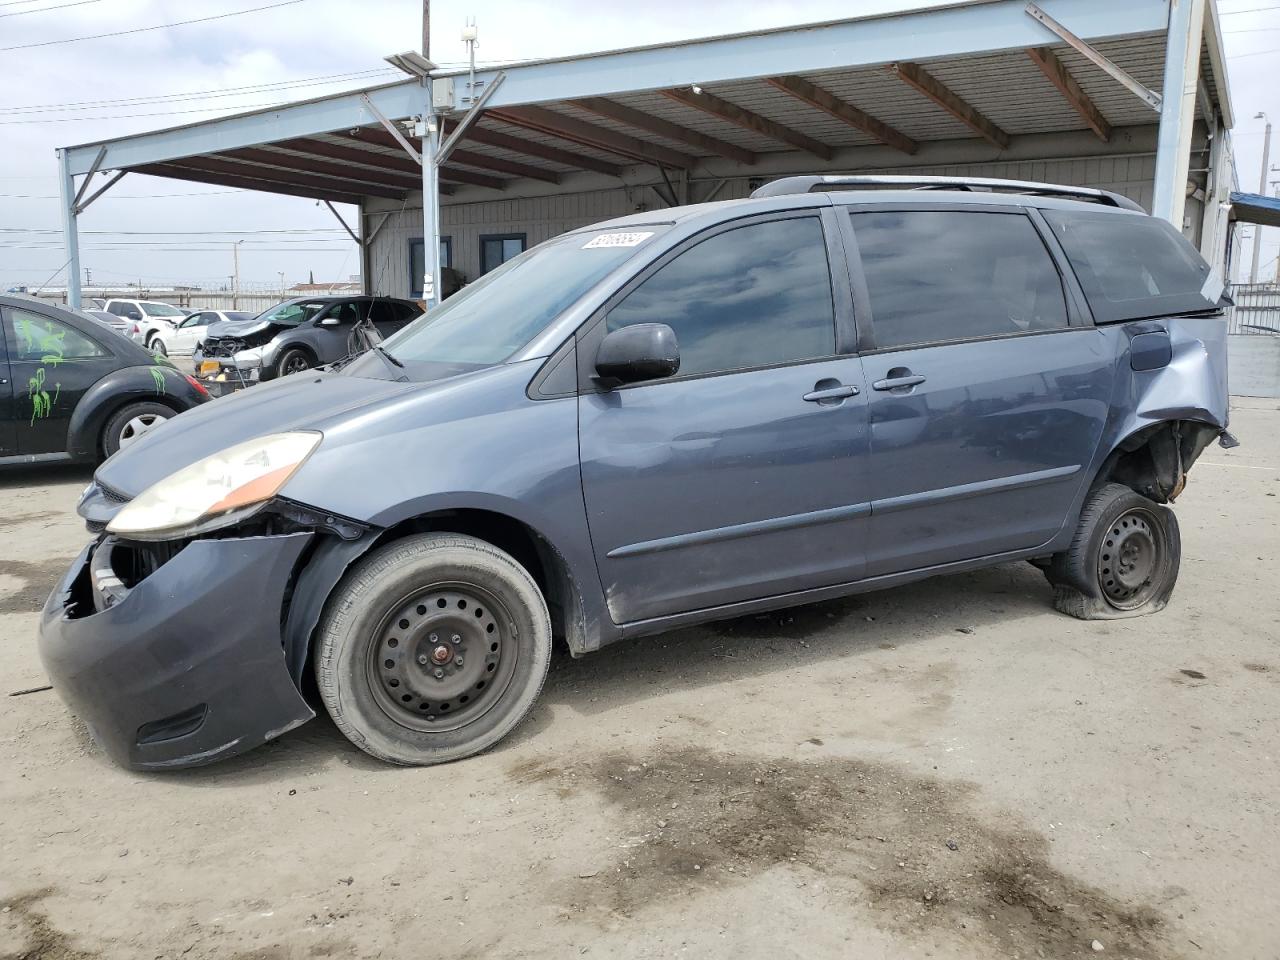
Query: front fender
[126, 385]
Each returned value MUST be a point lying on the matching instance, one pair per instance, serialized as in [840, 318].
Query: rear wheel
[158, 347]
[1123, 561]
[130, 422]
[432, 649]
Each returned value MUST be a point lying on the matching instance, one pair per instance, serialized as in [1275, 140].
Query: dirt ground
[948, 769]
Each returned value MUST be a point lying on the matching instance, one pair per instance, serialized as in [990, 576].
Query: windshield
[160, 309]
[291, 314]
[489, 320]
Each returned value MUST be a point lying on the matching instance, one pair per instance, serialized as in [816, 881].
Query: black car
[72, 388]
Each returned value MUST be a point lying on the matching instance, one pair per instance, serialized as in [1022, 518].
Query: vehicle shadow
[756, 645]
[44, 474]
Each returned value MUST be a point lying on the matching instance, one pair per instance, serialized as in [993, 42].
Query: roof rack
[818, 184]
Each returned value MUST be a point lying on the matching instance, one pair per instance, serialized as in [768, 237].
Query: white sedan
[184, 338]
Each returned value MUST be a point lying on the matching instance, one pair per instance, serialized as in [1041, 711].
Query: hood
[241, 328]
[300, 402]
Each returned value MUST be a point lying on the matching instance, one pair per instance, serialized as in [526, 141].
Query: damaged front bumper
[186, 666]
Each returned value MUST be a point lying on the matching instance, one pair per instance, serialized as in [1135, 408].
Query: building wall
[541, 218]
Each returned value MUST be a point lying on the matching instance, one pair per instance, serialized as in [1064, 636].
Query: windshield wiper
[383, 353]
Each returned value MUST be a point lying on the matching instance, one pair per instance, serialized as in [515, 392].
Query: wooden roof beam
[291, 161]
[724, 110]
[664, 128]
[540, 151]
[172, 171]
[916, 77]
[246, 171]
[542, 120]
[1056, 72]
[829, 103]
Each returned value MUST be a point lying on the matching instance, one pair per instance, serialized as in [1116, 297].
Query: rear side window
[1133, 266]
[748, 297]
[956, 275]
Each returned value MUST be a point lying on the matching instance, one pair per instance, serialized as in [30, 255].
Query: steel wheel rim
[422, 627]
[1131, 559]
[295, 364]
[137, 426]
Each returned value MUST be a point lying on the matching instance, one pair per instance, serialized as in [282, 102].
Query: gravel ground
[948, 769]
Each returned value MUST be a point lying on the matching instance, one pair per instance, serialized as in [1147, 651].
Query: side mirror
[643, 351]
[134, 315]
[330, 322]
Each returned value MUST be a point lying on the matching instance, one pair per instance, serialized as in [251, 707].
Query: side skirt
[640, 628]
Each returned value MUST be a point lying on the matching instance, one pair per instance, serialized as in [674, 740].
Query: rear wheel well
[527, 548]
[160, 398]
[1154, 461]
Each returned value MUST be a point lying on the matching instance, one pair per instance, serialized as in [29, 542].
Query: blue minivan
[840, 384]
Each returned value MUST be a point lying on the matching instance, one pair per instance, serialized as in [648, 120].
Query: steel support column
[1177, 109]
[430, 201]
[70, 228]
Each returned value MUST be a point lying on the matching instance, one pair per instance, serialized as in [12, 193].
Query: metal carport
[1000, 87]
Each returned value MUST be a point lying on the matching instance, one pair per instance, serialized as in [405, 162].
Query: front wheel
[294, 361]
[1123, 561]
[158, 347]
[433, 648]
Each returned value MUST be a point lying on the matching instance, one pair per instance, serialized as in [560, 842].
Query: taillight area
[200, 388]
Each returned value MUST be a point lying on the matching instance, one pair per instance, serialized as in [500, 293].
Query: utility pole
[426, 28]
[235, 280]
[1262, 189]
[280, 273]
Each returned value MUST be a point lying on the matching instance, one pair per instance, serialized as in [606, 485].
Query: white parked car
[187, 335]
[148, 316]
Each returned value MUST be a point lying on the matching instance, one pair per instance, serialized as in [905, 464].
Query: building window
[497, 249]
[418, 266]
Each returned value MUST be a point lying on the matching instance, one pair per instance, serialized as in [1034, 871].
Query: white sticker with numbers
[616, 240]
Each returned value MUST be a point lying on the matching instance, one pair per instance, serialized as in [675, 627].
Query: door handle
[897, 382]
[837, 392]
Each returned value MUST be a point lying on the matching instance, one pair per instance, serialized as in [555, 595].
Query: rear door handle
[831, 393]
[893, 383]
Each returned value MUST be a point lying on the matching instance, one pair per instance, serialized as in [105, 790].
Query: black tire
[130, 421]
[158, 347]
[432, 648]
[1123, 560]
[294, 360]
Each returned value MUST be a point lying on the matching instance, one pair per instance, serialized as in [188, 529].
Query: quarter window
[42, 339]
[748, 297]
[953, 275]
[1132, 266]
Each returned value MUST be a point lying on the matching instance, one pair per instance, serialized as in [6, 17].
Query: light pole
[236, 275]
[1262, 189]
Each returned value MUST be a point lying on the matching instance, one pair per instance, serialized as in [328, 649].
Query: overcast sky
[73, 93]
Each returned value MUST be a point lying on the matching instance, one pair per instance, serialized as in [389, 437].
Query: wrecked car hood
[292, 403]
[243, 328]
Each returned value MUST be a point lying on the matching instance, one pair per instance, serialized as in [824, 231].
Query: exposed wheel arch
[1154, 459]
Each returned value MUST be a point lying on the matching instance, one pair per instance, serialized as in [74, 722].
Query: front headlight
[215, 491]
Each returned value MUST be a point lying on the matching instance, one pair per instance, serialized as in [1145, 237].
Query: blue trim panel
[963, 490]
[773, 524]
[738, 530]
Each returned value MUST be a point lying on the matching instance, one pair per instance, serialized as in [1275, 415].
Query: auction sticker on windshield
[617, 240]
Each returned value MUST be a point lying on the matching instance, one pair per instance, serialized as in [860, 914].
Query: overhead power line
[195, 94]
[158, 26]
[1232, 13]
[158, 113]
[61, 6]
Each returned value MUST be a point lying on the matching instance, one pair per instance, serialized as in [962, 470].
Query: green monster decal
[48, 343]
